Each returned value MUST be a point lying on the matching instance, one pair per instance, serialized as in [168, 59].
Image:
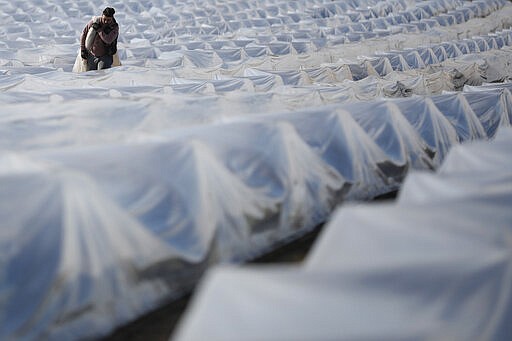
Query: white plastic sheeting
[213, 142]
[435, 264]
[434, 128]
[203, 194]
[491, 107]
[458, 111]
[71, 259]
[167, 32]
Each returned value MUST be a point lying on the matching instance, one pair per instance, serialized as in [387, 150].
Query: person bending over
[99, 46]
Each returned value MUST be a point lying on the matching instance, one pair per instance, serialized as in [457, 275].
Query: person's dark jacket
[105, 40]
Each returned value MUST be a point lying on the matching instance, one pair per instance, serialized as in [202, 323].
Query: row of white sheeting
[479, 102]
[321, 85]
[450, 75]
[22, 130]
[160, 112]
[196, 196]
[71, 259]
[333, 82]
[434, 265]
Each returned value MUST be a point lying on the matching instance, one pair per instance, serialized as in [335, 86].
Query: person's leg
[105, 62]
[92, 62]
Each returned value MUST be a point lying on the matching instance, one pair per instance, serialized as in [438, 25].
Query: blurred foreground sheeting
[109, 231]
[436, 264]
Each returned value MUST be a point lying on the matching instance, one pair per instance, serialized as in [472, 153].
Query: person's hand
[84, 53]
[96, 26]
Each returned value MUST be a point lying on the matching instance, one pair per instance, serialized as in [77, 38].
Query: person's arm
[83, 50]
[109, 33]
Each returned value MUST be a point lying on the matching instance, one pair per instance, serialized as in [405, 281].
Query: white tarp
[462, 117]
[436, 264]
[224, 192]
[491, 107]
[72, 260]
[387, 126]
[435, 129]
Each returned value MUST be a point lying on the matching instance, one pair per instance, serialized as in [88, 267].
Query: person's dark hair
[109, 12]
